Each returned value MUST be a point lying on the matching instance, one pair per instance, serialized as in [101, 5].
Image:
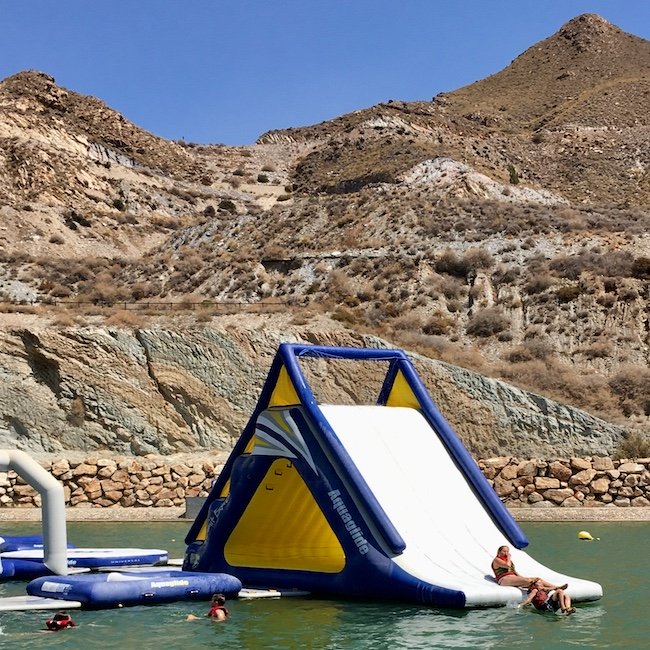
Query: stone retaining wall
[154, 481]
[112, 482]
[590, 482]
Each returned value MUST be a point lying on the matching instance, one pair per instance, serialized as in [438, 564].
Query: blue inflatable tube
[15, 569]
[115, 589]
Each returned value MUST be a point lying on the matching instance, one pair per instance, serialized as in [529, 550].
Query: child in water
[60, 621]
[218, 610]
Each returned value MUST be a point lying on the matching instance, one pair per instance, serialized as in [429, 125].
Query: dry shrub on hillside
[60, 291]
[478, 259]
[467, 357]
[635, 444]
[563, 383]
[428, 346]
[568, 293]
[641, 268]
[438, 324]
[631, 385]
[338, 285]
[612, 263]
[505, 274]
[450, 287]
[63, 319]
[165, 222]
[19, 308]
[538, 283]
[599, 349]
[487, 322]
[530, 350]
[344, 315]
[126, 318]
[189, 263]
[103, 290]
[452, 264]
[408, 321]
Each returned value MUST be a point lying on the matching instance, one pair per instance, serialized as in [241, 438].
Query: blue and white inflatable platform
[116, 589]
[22, 542]
[28, 563]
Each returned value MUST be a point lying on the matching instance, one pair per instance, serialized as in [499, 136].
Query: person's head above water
[59, 621]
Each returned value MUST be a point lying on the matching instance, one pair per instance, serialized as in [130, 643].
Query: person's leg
[561, 597]
[569, 609]
[515, 581]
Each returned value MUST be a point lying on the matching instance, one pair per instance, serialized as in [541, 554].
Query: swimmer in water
[60, 621]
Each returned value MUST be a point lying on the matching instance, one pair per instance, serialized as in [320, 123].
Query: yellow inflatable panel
[284, 528]
[284, 393]
[401, 394]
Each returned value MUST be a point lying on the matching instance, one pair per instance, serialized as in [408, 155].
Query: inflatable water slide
[377, 501]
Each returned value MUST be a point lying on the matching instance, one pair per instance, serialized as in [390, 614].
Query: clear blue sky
[226, 71]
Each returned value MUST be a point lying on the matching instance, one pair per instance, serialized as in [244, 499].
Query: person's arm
[504, 564]
[528, 600]
[500, 563]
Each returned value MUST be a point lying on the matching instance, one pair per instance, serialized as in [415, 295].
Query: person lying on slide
[507, 576]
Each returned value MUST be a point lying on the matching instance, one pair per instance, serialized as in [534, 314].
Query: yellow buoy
[583, 534]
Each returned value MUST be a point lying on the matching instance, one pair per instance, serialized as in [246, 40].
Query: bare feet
[569, 611]
[563, 587]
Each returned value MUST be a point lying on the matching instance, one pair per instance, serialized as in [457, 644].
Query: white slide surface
[450, 537]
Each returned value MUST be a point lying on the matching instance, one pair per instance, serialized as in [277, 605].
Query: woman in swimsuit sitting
[507, 576]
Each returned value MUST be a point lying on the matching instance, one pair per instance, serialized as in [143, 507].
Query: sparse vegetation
[635, 444]
[487, 322]
[549, 292]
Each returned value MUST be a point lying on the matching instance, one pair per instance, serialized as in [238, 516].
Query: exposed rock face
[490, 415]
[167, 391]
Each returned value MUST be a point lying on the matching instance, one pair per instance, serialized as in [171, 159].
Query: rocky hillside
[176, 387]
[502, 227]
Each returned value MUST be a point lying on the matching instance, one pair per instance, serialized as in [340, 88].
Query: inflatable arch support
[55, 556]
[374, 501]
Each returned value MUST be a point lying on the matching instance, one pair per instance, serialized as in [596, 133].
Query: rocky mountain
[502, 227]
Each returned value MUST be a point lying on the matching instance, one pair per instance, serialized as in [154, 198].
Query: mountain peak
[588, 22]
[568, 78]
[589, 32]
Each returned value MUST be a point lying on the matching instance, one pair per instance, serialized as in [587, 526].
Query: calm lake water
[619, 561]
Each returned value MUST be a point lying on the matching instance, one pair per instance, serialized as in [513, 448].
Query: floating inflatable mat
[116, 589]
[28, 564]
[27, 603]
[22, 542]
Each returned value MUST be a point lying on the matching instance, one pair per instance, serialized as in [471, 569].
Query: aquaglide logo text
[346, 518]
